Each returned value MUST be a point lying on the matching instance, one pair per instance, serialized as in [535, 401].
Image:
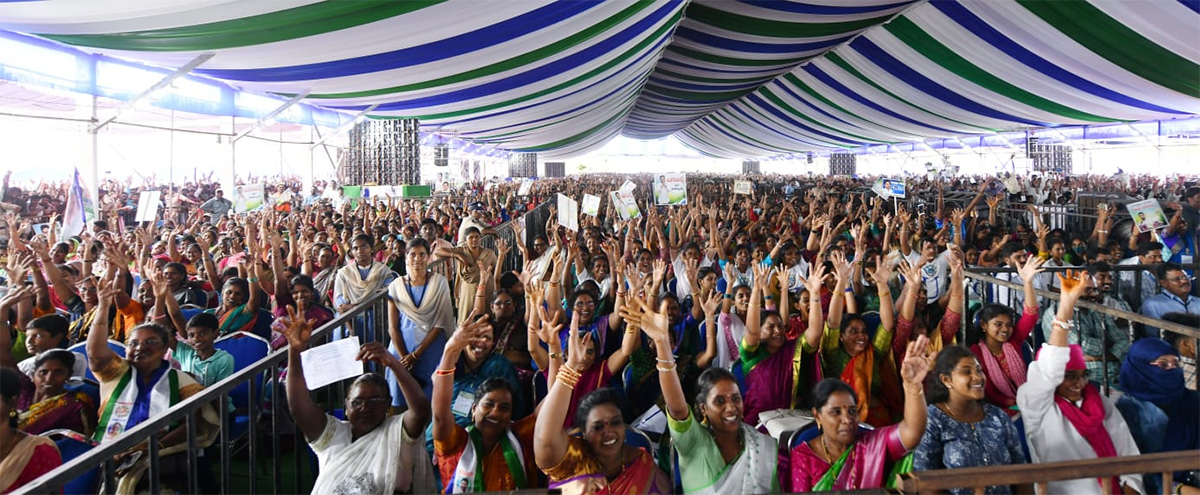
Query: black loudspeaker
[555, 169]
[441, 155]
[522, 165]
[749, 167]
[843, 164]
[383, 151]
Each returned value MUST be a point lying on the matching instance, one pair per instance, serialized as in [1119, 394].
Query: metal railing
[535, 225]
[1041, 473]
[154, 428]
[1013, 288]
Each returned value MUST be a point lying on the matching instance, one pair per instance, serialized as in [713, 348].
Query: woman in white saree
[369, 453]
[718, 454]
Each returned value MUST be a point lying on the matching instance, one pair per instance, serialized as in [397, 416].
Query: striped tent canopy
[745, 78]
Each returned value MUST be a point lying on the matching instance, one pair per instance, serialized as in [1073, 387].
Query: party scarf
[468, 475]
[1006, 383]
[1089, 422]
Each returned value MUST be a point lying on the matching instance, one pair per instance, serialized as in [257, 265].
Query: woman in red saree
[998, 348]
[45, 404]
[23, 457]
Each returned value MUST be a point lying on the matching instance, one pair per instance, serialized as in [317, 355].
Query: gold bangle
[442, 372]
[567, 379]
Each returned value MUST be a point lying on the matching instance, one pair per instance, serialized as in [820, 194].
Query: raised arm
[57, 281]
[710, 307]
[837, 302]
[100, 356]
[10, 300]
[476, 327]
[917, 362]
[307, 415]
[549, 438]
[880, 275]
[752, 337]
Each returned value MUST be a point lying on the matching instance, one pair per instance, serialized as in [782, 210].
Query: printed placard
[670, 189]
[147, 210]
[625, 205]
[742, 187]
[591, 205]
[248, 197]
[568, 212]
[1147, 215]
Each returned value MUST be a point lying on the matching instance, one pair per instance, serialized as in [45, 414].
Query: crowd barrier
[983, 282]
[1039, 474]
[262, 379]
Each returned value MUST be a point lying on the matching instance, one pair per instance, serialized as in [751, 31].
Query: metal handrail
[1083, 303]
[102, 454]
[1044, 472]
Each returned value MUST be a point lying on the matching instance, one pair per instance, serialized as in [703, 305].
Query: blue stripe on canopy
[754, 47]
[984, 31]
[817, 9]
[917, 80]
[583, 57]
[413, 56]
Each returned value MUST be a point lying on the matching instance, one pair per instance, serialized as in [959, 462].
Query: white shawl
[350, 285]
[435, 310]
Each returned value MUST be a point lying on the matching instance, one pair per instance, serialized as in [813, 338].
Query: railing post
[192, 464]
[152, 453]
[252, 433]
[276, 474]
[110, 477]
[225, 423]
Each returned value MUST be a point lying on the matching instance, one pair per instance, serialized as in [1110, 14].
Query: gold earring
[819, 428]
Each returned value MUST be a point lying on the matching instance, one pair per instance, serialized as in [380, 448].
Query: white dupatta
[433, 312]
[730, 330]
[353, 287]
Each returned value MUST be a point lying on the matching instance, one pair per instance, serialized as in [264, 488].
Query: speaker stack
[555, 169]
[385, 152]
[522, 165]
[843, 164]
[749, 167]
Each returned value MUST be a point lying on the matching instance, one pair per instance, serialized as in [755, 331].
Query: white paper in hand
[331, 362]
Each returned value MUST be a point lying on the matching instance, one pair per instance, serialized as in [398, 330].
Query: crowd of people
[809, 302]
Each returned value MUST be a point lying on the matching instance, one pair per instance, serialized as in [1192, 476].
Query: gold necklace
[954, 415]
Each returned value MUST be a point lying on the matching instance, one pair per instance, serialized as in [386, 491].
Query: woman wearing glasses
[369, 452]
[124, 406]
[1162, 414]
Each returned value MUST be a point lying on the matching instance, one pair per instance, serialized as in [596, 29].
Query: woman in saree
[485, 450]
[642, 388]
[841, 457]
[369, 452]
[45, 404]
[999, 341]
[239, 308]
[475, 362]
[1067, 418]
[778, 370]
[731, 324]
[24, 457]
[852, 356]
[913, 321]
[598, 460]
[419, 317]
[122, 381]
[720, 453]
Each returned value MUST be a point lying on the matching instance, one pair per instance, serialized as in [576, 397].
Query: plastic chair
[81, 348]
[811, 431]
[246, 350]
[739, 374]
[89, 387]
[72, 444]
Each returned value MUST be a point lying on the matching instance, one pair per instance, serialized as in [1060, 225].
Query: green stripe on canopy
[1121, 45]
[299, 22]
[920, 41]
[776, 29]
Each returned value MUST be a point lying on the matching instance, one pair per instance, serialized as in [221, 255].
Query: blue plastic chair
[72, 444]
[246, 350]
[738, 373]
[81, 348]
[811, 431]
[89, 387]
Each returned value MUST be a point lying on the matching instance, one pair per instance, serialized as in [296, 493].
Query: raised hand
[660, 271]
[578, 347]
[882, 272]
[917, 361]
[376, 352]
[474, 327]
[296, 328]
[1031, 268]
[1072, 285]
[548, 330]
[816, 277]
[843, 270]
[656, 326]
[711, 304]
